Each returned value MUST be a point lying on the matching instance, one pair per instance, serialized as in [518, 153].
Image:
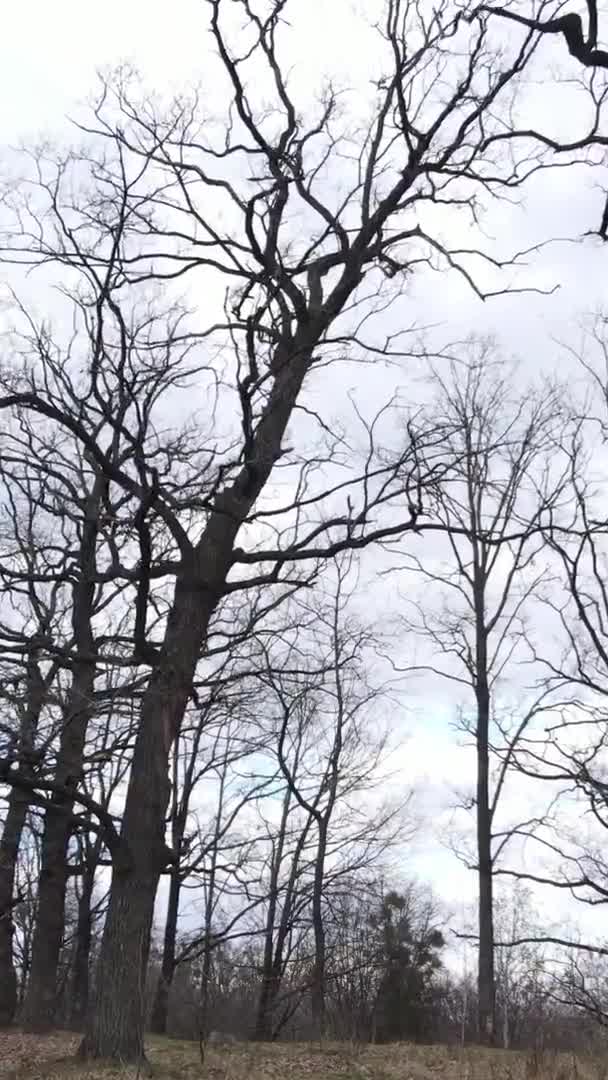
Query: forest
[297, 585]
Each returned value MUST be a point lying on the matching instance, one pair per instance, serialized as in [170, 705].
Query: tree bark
[40, 999]
[16, 815]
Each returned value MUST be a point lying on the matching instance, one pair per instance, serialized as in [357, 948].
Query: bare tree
[329, 712]
[486, 574]
[34, 576]
[57, 512]
[40, 998]
[28, 873]
[297, 253]
[330, 739]
[106, 762]
[521, 971]
[35, 689]
[211, 853]
[569, 754]
[32, 610]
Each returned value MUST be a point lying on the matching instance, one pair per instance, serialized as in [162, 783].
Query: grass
[30, 1057]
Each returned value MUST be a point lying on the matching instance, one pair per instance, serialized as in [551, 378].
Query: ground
[30, 1057]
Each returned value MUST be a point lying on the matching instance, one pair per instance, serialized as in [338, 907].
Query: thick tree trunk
[16, 815]
[269, 990]
[486, 978]
[115, 1024]
[9, 851]
[160, 1008]
[114, 1027]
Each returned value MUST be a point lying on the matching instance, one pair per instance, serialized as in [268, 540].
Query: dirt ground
[31, 1057]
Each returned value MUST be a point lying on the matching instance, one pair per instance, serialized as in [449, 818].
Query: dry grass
[29, 1057]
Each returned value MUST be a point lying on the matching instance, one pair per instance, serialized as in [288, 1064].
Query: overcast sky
[49, 54]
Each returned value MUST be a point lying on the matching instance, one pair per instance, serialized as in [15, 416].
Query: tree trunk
[9, 851]
[79, 991]
[263, 1021]
[317, 995]
[268, 988]
[266, 1028]
[16, 815]
[40, 999]
[273, 974]
[115, 1024]
[486, 979]
[160, 1008]
[205, 989]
